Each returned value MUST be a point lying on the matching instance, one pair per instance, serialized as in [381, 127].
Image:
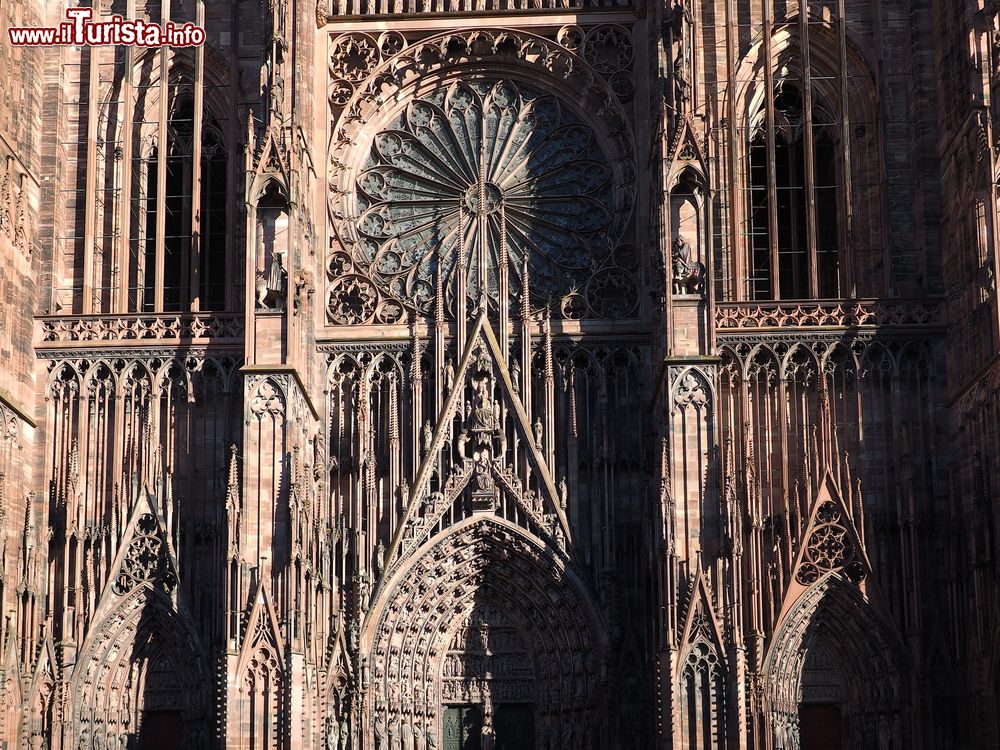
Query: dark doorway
[161, 730]
[463, 727]
[819, 727]
[514, 727]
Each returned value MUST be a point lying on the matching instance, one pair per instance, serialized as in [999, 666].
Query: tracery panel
[506, 188]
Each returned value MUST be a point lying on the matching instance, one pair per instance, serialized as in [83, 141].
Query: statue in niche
[449, 377]
[332, 733]
[345, 734]
[688, 274]
[271, 288]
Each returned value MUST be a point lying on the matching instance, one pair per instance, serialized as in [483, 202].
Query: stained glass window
[481, 175]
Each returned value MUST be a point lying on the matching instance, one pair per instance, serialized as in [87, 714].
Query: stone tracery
[490, 163]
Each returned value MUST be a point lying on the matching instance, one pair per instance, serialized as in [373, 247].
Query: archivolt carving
[142, 655]
[485, 562]
[867, 654]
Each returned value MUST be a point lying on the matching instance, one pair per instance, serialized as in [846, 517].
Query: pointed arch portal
[485, 632]
[835, 663]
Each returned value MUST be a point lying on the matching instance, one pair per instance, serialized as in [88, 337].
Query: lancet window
[179, 259]
[794, 192]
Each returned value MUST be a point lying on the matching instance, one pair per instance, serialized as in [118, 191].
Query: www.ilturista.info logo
[80, 29]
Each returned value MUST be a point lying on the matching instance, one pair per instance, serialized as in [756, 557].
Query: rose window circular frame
[532, 166]
[485, 173]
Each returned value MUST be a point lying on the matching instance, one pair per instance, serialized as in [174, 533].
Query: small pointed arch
[383, 366]
[581, 362]
[701, 670]
[763, 366]
[261, 679]
[209, 378]
[61, 378]
[915, 361]
[686, 157]
[692, 387]
[839, 358]
[269, 174]
[731, 367]
[262, 632]
[800, 365]
[100, 377]
[700, 621]
[38, 710]
[11, 691]
[173, 376]
[877, 362]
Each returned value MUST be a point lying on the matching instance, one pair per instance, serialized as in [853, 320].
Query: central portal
[488, 686]
[513, 728]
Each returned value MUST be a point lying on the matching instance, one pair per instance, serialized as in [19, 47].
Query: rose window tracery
[829, 548]
[145, 560]
[482, 176]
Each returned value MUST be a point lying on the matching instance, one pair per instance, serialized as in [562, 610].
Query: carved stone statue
[688, 274]
[381, 734]
[449, 377]
[345, 734]
[332, 733]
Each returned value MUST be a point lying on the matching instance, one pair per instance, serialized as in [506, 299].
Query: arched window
[214, 229]
[793, 234]
[183, 263]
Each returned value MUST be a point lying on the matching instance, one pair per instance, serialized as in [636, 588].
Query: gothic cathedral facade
[509, 374]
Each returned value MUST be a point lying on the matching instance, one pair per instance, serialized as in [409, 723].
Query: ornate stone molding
[139, 328]
[839, 314]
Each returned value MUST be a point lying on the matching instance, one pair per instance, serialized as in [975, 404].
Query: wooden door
[514, 727]
[820, 727]
[161, 730]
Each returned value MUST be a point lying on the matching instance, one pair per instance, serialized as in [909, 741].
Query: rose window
[479, 177]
